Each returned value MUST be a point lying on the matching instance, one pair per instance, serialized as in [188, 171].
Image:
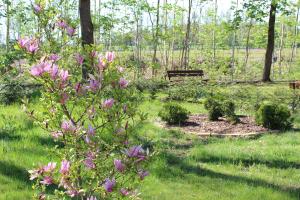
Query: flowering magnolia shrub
[91, 118]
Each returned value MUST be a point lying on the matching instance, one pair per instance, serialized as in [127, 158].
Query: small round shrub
[274, 116]
[217, 107]
[173, 114]
[214, 109]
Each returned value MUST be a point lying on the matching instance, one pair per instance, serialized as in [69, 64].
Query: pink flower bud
[49, 167]
[37, 8]
[142, 174]
[54, 57]
[65, 167]
[119, 165]
[47, 180]
[64, 75]
[110, 56]
[109, 184]
[67, 127]
[123, 83]
[79, 59]
[70, 31]
[22, 42]
[61, 24]
[108, 103]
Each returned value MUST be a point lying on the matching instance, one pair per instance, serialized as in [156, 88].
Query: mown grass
[185, 166]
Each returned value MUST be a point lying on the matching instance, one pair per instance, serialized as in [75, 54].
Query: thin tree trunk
[154, 58]
[271, 41]
[87, 29]
[281, 48]
[7, 25]
[166, 51]
[247, 46]
[294, 50]
[214, 32]
[185, 51]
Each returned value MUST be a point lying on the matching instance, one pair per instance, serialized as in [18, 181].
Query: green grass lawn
[185, 167]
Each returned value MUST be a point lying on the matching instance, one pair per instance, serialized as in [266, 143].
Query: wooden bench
[295, 85]
[184, 73]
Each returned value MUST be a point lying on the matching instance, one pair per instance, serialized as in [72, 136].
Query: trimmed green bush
[217, 107]
[173, 114]
[214, 109]
[274, 116]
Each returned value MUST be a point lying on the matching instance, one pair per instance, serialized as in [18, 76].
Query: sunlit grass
[184, 167]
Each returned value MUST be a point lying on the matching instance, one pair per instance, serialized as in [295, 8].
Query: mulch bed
[200, 125]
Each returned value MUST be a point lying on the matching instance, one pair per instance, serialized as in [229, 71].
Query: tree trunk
[7, 26]
[294, 49]
[271, 41]
[87, 29]
[247, 46]
[185, 51]
[214, 32]
[154, 58]
[281, 48]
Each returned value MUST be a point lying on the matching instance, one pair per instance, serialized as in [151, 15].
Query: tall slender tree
[271, 42]
[87, 29]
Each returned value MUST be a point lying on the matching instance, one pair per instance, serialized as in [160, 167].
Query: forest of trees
[167, 33]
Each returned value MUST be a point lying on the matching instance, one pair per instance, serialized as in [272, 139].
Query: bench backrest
[185, 72]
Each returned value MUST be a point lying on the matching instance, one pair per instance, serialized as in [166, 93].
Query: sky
[223, 7]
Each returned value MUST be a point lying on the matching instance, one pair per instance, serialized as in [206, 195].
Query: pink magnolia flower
[94, 85]
[64, 75]
[108, 103]
[32, 46]
[56, 134]
[89, 163]
[68, 126]
[37, 70]
[47, 180]
[61, 24]
[79, 59]
[89, 160]
[124, 192]
[50, 167]
[37, 8]
[70, 31]
[54, 57]
[123, 83]
[35, 173]
[134, 151]
[65, 167]
[54, 72]
[109, 184]
[101, 63]
[22, 42]
[119, 165]
[142, 174]
[110, 56]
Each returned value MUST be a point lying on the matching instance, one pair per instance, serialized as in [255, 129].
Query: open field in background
[185, 166]
[202, 59]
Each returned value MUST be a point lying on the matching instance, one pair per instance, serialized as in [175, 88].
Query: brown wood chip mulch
[201, 126]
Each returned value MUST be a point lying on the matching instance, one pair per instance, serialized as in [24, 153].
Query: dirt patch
[200, 125]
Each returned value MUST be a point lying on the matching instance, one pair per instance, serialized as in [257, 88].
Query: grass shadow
[9, 136]
[247, 162]
[184, 168]
[14, 172]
